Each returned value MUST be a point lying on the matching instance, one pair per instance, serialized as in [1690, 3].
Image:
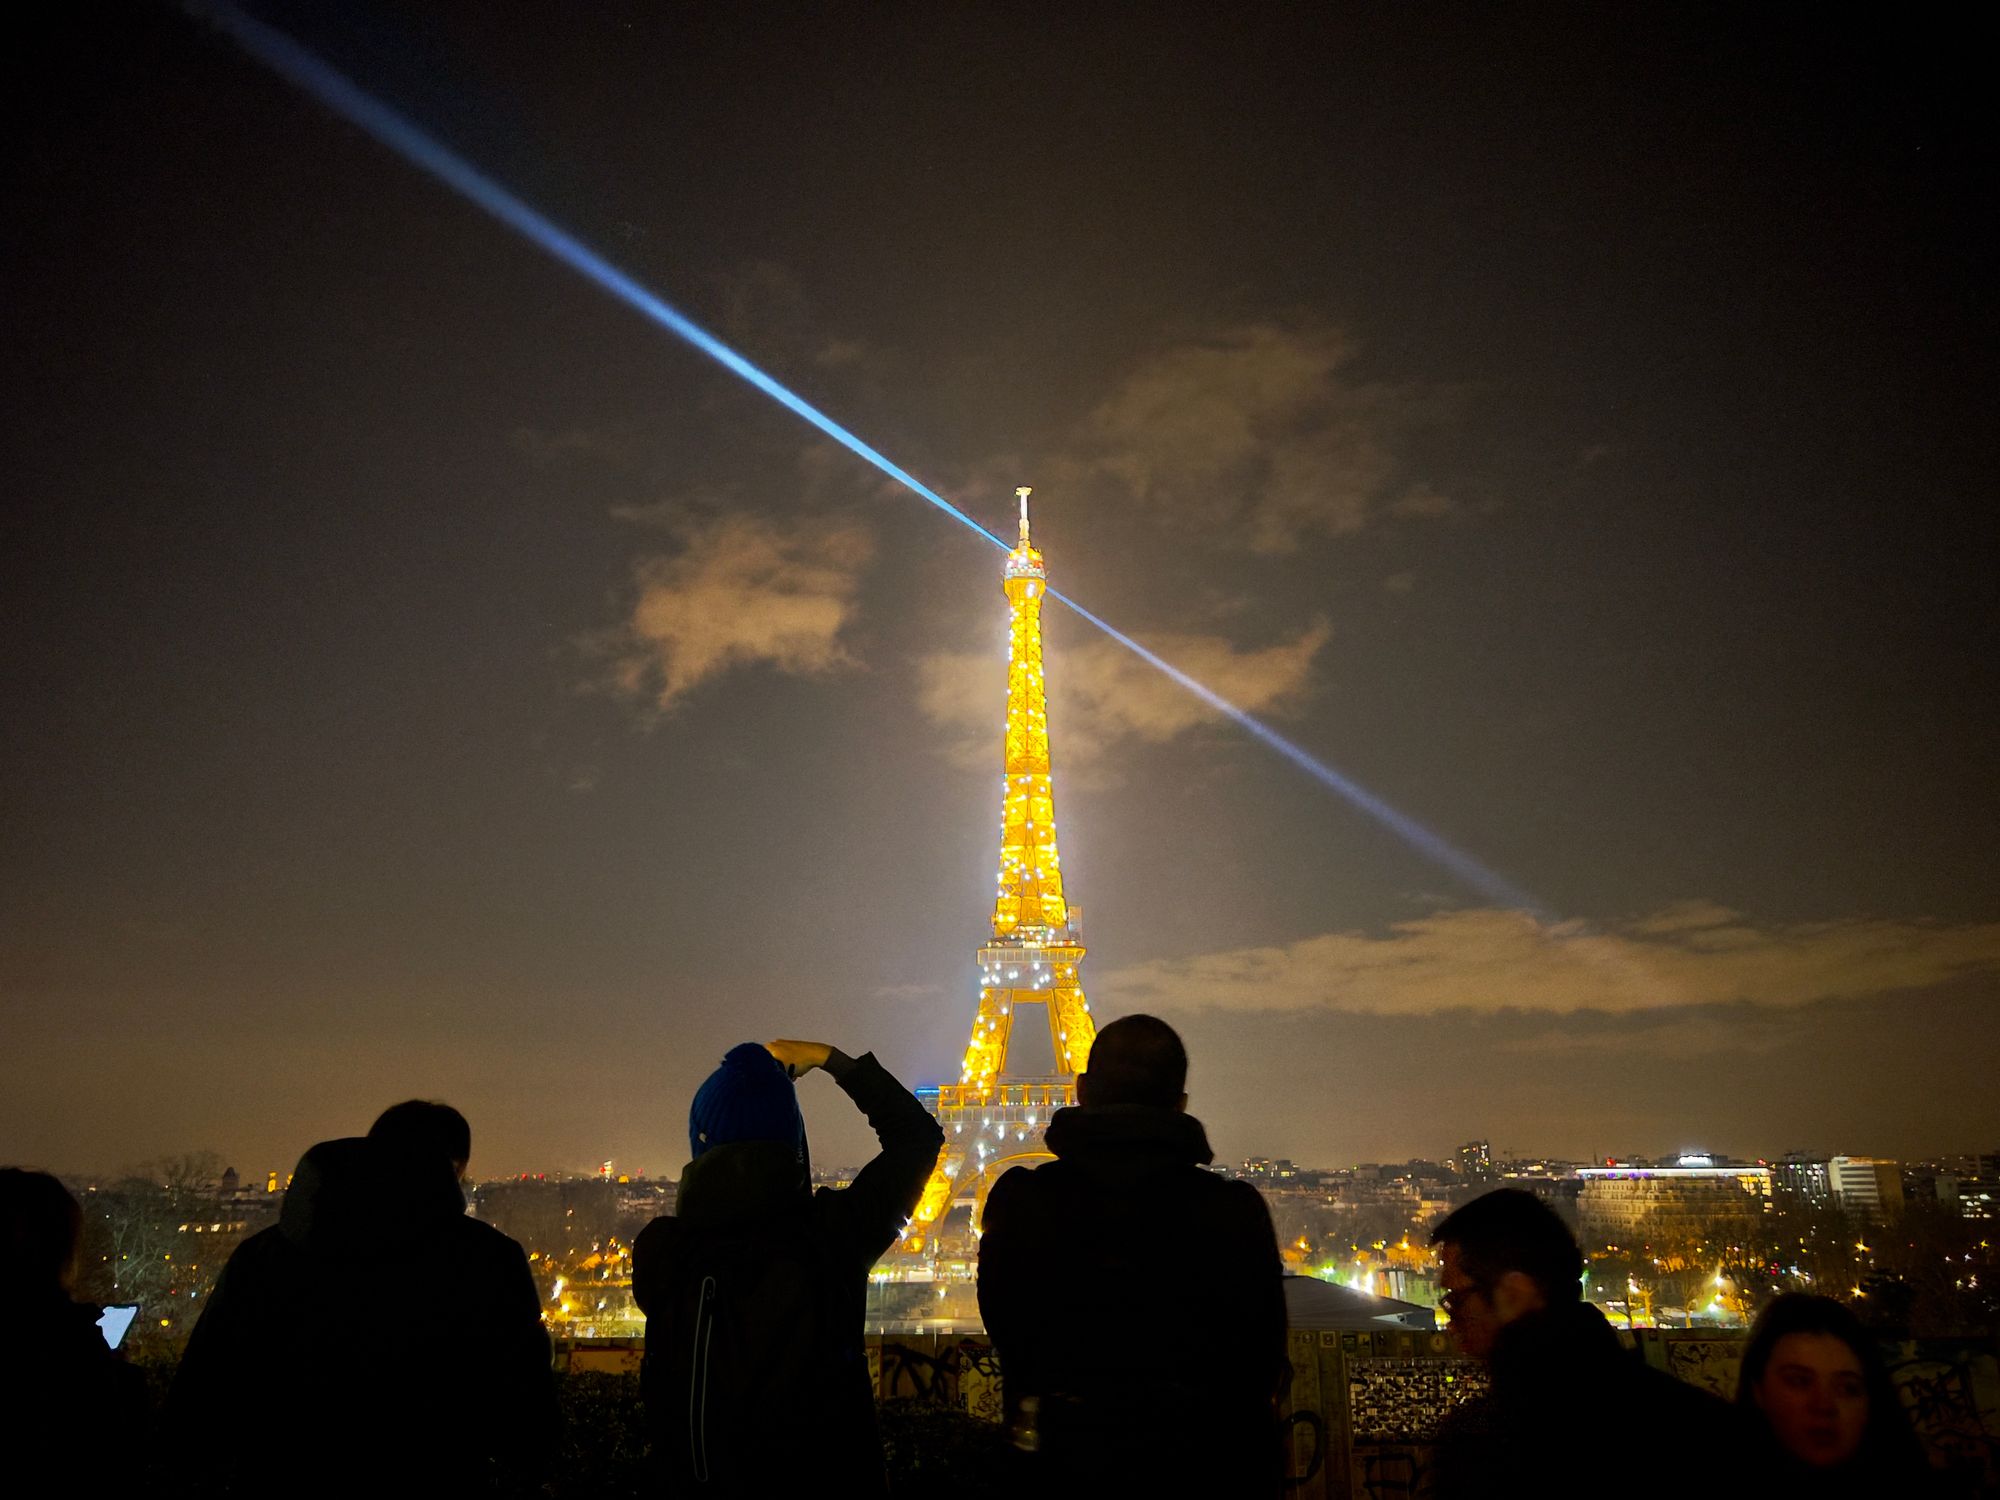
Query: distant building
[1636, 1205]
[242, 1207]
[1536, 1166]
[1264, 1169]
[1475, 1161]
[1282, 1174]
[1931, 1184]
[1965, 1185]
[1801, 1180]
[646, 1199]
[1979, 1188]
[1703, 1159]
[1868, 1187]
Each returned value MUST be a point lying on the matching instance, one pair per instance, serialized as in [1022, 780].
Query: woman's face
[1815, 1397]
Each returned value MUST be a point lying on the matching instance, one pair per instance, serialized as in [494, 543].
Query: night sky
[425, 676]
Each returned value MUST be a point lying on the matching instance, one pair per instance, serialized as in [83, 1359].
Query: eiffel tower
[992, 1119]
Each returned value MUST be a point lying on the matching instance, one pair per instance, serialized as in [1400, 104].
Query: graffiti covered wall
[1364, 1408]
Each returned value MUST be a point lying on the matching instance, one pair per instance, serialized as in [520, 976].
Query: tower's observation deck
[993, 1119]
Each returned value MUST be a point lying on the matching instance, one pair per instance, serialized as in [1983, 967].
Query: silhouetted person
[754, 1290]
[72, 1413]
[1818, 1395]
[428, 1131]
[1125, 1229]
[1571, 1412]
[377, 1339]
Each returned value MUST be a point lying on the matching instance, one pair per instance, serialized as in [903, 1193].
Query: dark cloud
[1261, 434]
[1694, 953]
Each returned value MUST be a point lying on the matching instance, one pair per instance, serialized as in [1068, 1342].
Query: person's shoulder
[1022, 1186]
[1025, 1179]
[1467, 1443]
[259, 1252]
[59, 1332]
[1476, 1451]
[263, 1242]
[1023, 1198]
[1474, 1420]
[1228, 1193]
[1678, 1404]
[477, 1231]
[486, 1241]
[658, 1234]
[1665, 1387]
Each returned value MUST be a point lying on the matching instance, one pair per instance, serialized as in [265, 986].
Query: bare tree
[148, 1237]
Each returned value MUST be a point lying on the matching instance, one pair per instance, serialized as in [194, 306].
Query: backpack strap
[704, 1331]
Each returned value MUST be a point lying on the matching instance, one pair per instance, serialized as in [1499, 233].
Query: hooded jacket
[375, 1340]
[751, 1202]
[1572, 1412]
[1126, 1225]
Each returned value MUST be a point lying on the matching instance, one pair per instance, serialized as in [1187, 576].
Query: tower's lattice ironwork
[993, 1119]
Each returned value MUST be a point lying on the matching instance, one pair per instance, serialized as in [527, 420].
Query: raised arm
[871, 1211]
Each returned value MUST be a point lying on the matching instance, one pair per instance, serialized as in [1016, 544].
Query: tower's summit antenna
[1024, 561]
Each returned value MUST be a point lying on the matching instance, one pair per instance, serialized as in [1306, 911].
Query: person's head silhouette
[1136, 1060]
[40, 1225]
[425, 1128]
[1504, 1255]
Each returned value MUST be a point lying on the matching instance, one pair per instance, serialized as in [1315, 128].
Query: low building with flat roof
[1623, 1205]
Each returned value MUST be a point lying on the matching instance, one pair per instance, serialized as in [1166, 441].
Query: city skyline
[1505, 1159]
[430, 680]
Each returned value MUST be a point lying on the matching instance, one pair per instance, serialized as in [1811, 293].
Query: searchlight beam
[300, 66]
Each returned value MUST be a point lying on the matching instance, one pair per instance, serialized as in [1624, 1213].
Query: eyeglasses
[1456, 1297]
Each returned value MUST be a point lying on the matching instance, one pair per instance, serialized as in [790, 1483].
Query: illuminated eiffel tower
[994, 1120]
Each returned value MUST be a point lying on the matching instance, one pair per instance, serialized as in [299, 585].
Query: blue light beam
[1495, 888]
[348, 99]
[299, 66]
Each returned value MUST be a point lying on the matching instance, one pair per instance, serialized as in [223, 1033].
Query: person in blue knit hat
[755, 1288]
[749, 1098]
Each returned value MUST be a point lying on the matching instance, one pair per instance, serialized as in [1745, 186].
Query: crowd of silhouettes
[289, 1340]
[755, 1377]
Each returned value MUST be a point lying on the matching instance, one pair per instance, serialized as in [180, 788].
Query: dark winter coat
[72, 1413]
[1572, 1412]
[798, 1411]
[375, 1340]
[1904, 1474]
[1125, 1235]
